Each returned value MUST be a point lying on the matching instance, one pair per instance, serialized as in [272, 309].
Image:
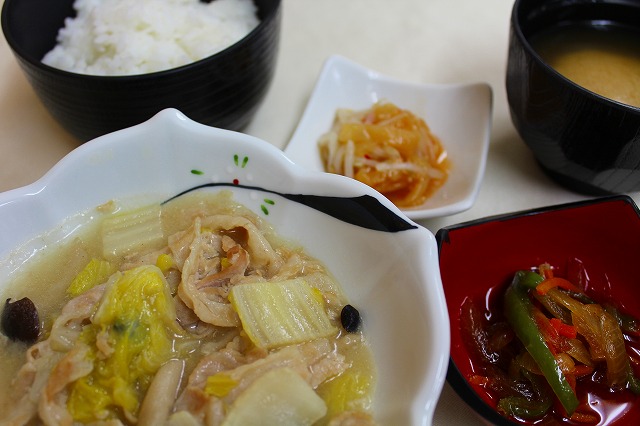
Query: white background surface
[427, 41]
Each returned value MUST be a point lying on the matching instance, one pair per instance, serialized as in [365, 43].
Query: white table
[429, 41]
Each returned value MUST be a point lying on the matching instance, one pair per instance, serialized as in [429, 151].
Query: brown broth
[606, 62]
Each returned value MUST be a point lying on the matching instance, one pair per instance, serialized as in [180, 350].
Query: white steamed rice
[125, 37]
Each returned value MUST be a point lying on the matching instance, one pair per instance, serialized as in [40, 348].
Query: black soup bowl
[223, 90]
[586, 142]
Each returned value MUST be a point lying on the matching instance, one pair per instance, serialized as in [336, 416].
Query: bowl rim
[516, 28]
[272, 15]
[538, 210]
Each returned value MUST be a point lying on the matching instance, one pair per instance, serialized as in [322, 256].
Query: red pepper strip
[548, 332]
[566, 330]
[550, 283]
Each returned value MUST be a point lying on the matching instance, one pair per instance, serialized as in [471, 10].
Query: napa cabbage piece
[96, 272]
[220, 384]
[278, 397]
[132, 230]
[352, 389]
[135, 320]
[275, 314]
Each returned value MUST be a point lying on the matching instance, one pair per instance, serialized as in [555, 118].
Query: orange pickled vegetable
[388, 148]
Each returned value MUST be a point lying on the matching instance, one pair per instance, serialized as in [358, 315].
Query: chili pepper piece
[518, 312]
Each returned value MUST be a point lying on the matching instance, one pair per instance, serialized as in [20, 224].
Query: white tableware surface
[458, 114]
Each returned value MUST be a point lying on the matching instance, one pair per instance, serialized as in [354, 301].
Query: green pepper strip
[523, 408]
[518, 312]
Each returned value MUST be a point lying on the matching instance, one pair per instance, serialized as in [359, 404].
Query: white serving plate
[459, 114]
[387, 264]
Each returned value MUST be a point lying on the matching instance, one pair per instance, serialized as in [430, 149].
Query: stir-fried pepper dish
[553, 352]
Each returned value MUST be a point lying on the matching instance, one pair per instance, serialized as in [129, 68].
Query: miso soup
[604, 61]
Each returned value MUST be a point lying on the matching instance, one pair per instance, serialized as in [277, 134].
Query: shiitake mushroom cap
[20, 320]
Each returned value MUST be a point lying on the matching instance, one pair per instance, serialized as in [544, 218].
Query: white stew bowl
[387, 265]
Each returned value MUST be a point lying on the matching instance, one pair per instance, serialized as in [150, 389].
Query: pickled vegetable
[389, 149]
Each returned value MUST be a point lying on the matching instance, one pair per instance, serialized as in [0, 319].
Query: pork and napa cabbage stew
[190, 312]
[547, 352]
